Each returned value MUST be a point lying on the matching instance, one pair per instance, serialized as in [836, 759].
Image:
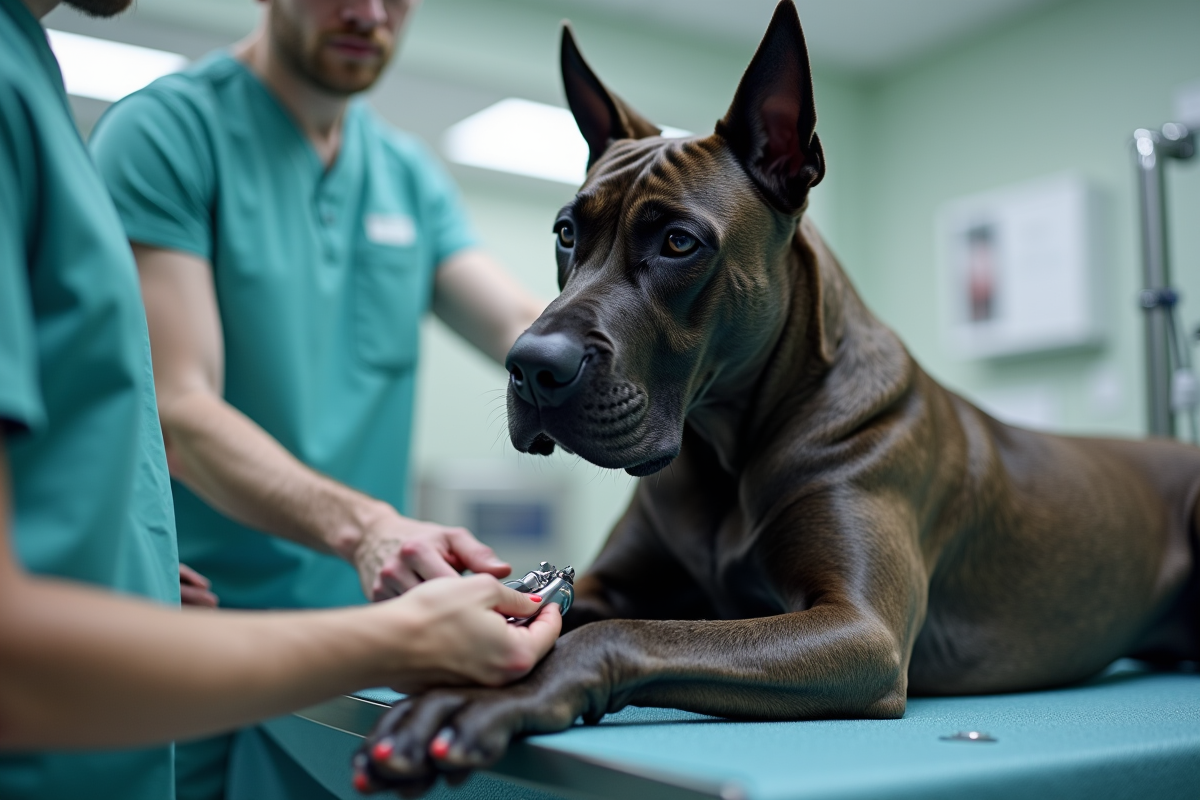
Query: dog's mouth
[650, 467]
[605, 425]
[543, 445]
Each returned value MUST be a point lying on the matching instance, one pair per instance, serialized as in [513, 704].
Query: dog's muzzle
[545, 370]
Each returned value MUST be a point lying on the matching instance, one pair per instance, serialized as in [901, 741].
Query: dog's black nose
[545, 369]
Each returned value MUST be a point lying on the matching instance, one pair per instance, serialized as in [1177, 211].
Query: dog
[820, 529]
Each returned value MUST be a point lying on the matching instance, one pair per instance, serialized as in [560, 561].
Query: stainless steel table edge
[542, 767]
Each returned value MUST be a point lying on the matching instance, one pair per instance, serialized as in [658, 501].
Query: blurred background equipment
[519, 512]
[1171, 387]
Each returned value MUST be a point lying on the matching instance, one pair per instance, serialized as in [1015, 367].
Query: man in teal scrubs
[94, 650]
[288, 243]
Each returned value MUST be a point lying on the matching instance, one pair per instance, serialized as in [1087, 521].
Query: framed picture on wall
[1018, 269]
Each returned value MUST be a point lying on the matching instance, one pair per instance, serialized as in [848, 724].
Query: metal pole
[1150, 150]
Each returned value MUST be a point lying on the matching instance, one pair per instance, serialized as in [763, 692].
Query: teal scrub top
[90, 491]
[321, 279]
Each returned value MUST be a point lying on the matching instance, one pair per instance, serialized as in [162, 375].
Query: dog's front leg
[844, 653]
[809, 664]
[635, 575]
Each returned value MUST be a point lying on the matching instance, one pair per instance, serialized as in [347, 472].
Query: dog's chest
[722, 556]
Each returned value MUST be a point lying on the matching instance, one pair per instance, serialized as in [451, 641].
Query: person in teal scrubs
[94, 649]
[289, 242]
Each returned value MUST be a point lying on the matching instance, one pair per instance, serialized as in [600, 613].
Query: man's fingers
[424, 559]
[475, 555]
[190, 576]
[382, 591]
[394, 579]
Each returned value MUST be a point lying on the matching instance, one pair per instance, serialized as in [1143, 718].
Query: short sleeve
[445, 220]
[21, 404]
[154, 153]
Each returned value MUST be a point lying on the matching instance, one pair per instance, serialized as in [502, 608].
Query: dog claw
[383, 750]
[439, 748]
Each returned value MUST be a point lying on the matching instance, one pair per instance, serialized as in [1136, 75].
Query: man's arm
[237, 467]
[482, 303]
[80, 667]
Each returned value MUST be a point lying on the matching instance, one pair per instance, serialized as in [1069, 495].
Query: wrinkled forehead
[657, 177]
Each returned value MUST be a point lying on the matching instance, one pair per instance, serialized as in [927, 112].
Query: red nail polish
[439, 748]
[362, 783]
[535, 598]
[382, 751]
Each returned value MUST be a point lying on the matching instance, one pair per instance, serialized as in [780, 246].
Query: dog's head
[672, 260]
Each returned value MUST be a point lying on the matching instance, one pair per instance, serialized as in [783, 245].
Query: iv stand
[1164, 345]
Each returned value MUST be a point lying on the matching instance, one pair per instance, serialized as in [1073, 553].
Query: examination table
[1131, 733]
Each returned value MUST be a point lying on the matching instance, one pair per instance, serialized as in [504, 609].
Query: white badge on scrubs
[398, 230]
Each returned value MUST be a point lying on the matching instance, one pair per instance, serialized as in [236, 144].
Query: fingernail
[440, 746]
[383, 750]
[537, 598]
[362, 783]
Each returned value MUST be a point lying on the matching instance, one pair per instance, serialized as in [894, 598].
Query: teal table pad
[1128, 734]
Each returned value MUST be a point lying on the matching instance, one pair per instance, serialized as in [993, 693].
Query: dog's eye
[679, 244]
[566, 234]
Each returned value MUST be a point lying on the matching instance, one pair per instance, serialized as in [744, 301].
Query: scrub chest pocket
[391, 292]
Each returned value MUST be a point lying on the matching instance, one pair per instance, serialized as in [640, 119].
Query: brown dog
[826, 529]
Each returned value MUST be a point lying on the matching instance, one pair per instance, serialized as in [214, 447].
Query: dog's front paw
[453, 731]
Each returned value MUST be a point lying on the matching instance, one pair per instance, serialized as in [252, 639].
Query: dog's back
[1046, 556]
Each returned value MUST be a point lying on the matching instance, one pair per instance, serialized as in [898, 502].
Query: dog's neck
[827, 331]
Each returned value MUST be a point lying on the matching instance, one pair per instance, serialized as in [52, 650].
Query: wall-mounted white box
[1019, 269]
[1187, 105]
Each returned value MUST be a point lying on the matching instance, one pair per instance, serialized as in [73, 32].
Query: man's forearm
[237, 467]
[155, 674]
[483, 303]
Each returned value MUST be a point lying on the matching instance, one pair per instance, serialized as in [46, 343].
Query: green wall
[1059, 91]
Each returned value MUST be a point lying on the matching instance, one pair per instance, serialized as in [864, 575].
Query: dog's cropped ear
[771, 124]
[601, 115]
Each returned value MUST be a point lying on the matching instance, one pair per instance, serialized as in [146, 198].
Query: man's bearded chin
[100, 8]
[315, 64]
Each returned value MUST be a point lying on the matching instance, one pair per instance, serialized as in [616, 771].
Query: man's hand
[194, 589]
[396, 553]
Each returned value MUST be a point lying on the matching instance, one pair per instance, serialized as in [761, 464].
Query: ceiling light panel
[106, 70]
[524, 138]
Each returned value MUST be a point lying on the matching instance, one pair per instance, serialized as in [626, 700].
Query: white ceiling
[858, 35]
[865, 36]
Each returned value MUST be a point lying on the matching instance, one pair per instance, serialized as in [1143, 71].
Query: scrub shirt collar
[328, 179]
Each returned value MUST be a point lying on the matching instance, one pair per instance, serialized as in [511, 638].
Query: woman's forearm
[84, 668]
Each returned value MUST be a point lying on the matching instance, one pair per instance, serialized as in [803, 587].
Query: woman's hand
[452, 632]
